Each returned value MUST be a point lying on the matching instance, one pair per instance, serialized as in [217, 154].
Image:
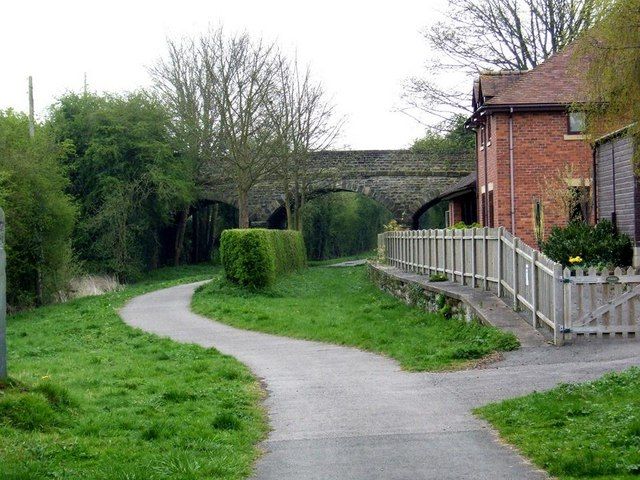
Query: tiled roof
[558, 80]
[463, 185]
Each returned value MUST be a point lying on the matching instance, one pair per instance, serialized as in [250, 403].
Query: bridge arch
[402, 181]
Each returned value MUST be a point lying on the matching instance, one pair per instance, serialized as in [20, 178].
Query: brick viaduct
[405, 182]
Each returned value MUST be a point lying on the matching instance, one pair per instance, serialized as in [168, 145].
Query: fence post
[534, 287]
[3, 302]
[474, 231]
[454, 234]
[485, 259]
[558, 305]
[515, 279]
[435, 249]
[462, 257]
[499, 260]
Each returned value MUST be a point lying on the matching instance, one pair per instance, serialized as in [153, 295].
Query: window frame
[584, 122]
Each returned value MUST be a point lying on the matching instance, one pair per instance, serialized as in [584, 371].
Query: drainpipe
[485, 206]
[511, 174]
[594, 183]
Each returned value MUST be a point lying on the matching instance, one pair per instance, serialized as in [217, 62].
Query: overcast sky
[361, 51]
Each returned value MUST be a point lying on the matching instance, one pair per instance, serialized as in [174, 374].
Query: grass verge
[584, 431]
[91, 398]
[340, 305]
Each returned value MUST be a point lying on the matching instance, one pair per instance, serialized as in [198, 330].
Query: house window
[577, 122]
[488, 130]
[481, 133]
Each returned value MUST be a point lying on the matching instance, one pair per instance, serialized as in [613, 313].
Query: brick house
[528, 133]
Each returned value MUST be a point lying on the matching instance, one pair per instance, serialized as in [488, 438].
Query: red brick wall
[455, 212]
[540, 151]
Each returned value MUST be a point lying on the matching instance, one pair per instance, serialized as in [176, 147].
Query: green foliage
[438, 277]
[256, 257]
[118, 404]
[613, 75]
[455, 139]
[597, 246]
[462, 226]
[341, 306]
[127, 176]
[342, 224]
[434, 217]
[39, 215]
[586, 431]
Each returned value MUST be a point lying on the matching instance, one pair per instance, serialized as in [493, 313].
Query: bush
[256, 257]
[462, 225]
[596, 246]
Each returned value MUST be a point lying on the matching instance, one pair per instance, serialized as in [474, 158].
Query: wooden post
[462, 257]
[435, 249]
[534, 288]
[500, 251]
[474, 230]
[3, 303]
[558, 305]
[485, 259]
[515, 279]
[32, 124]
[454, 234]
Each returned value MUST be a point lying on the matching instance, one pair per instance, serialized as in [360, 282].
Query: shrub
[256, 257]
[462, 225]
[438, 277]
[596, 246]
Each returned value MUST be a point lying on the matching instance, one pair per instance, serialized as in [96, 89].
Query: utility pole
[32, 125]
[85, 84]
[3, 303]
[32, 134]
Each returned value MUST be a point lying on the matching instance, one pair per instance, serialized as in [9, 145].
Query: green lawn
[91, 398]
[586, 431]
[340, 305]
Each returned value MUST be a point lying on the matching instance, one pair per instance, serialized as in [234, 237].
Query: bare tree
[304, 122]
[491, 34]
[241, 76]
[179, 82]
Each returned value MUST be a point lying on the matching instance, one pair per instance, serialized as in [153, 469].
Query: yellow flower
[46, 377]
[576, 259]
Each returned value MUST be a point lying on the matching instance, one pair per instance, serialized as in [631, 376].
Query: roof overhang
[475, 119]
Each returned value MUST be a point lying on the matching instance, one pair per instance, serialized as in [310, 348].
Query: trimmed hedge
[255, 257]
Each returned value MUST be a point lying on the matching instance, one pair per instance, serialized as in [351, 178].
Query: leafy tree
[613, 76]
[451, 138]
[126, 175]
[39, 214]
[341, 224]
[492, 34]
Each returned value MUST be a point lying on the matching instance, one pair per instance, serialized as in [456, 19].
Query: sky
[360, 51]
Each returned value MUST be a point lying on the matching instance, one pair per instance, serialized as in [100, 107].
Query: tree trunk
[287, 209]
[195, 235]
[243, 208]
[180, 229]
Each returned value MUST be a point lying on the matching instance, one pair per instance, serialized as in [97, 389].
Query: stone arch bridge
[405, 182]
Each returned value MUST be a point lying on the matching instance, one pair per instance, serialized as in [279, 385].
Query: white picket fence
[595, 303]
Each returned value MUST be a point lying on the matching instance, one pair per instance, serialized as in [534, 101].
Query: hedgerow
[256, 257]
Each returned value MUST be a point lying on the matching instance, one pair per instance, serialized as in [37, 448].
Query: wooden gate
[603, 303]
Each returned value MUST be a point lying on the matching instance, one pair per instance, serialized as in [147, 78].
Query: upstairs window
[488, 129]
[577, 122]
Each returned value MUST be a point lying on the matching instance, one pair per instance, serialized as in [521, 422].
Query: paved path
[342, 414]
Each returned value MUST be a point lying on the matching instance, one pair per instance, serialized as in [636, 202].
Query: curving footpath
[338, 413]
